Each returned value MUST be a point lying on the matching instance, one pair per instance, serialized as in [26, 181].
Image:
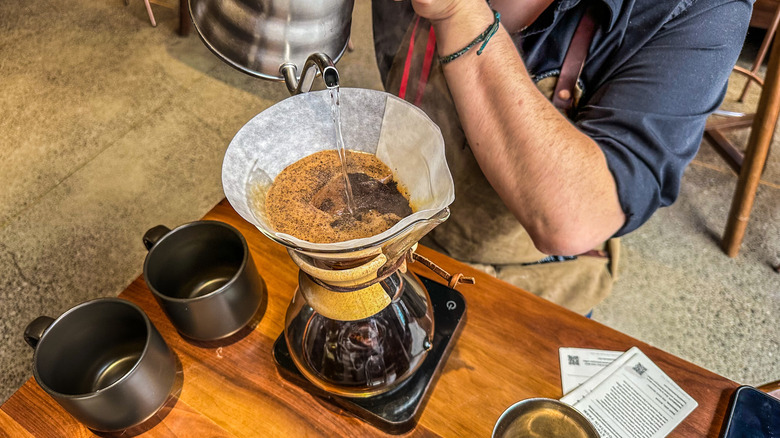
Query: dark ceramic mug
[204, 278]
[104, 362]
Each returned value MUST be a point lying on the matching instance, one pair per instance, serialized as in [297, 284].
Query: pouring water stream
[342, 150]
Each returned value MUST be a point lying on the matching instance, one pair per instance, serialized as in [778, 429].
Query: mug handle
[154, 235]
[35, 330]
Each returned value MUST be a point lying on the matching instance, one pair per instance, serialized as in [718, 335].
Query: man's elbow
[563, 244]
[572, 240]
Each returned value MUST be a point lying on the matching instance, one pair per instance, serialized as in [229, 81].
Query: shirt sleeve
[648, 116]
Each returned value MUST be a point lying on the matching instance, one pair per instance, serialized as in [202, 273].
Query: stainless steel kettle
[290, 40]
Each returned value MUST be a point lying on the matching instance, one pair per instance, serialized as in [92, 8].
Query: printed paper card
[631, 398]
[580, 364]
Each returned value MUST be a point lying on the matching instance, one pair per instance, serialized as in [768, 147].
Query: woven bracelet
[483, 38]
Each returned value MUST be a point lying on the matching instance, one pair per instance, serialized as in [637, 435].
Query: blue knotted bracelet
[483, 38]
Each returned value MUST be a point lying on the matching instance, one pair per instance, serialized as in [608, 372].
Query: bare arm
[551, 176]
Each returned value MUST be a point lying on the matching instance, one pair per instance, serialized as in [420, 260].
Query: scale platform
[396, 411]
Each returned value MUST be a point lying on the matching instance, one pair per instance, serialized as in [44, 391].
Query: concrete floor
[110, 126]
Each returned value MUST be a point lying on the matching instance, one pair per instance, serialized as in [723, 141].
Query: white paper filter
[400, 135]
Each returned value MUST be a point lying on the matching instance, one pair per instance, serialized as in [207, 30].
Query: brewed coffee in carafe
[359, 324]
[361, 357]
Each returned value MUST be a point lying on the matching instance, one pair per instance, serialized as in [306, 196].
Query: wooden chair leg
[762, 51]
[714, 133]
[185, 22]
[761, 133]
[151, 15]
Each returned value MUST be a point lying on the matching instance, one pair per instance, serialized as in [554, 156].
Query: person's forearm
[551, 176]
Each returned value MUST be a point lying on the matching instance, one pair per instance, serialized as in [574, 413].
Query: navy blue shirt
[655, 71]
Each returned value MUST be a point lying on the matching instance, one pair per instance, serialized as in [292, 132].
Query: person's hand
[456, 21]
[515, 15]
[437, 10]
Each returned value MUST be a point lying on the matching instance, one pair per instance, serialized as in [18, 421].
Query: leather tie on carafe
[453, 280]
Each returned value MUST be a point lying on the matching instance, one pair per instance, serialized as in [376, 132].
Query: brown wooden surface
[763, 13]
[507, 351]
[10, 428]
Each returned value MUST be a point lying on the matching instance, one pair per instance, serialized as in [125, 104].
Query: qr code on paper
[574, 360]
[639, 368]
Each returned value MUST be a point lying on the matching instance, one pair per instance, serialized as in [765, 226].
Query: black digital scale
[396, 411]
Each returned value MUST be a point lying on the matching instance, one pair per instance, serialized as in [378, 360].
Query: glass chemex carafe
[360, 331]
[359, 324]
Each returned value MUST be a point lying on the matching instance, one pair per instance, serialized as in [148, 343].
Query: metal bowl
[543, 418]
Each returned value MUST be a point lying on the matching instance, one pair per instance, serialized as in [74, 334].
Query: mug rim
[147, 341]
[216, 291]
[512, 410]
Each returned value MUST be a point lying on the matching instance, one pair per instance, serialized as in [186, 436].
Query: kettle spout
[315, 63]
